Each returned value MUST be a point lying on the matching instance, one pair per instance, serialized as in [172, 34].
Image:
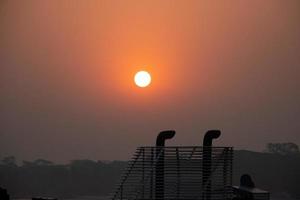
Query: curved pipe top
[163, 136]
[209, 136]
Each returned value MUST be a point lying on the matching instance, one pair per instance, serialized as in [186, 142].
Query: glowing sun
[142, 79]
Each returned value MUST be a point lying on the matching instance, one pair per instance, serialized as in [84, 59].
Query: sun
[142, 79]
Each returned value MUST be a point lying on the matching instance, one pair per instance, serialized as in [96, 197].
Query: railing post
[225, 164]
[143, 173]
[178, 173]
[231, 169]
[151, 176]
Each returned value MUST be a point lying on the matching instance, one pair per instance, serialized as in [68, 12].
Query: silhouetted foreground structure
[247, 190]
[180, 172]
[3, 194]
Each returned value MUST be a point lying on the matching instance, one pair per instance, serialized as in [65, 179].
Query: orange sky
[67, 72]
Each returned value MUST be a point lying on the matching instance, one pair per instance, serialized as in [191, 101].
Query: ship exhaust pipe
[159, 170]
[206, 164]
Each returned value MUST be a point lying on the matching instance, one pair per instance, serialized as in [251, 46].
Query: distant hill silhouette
[274, 172]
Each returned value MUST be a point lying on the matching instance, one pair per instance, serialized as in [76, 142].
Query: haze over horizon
[66, 79]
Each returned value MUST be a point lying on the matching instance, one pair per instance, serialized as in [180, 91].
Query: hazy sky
[67, 68]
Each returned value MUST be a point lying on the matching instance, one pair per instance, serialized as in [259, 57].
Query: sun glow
[142, 79]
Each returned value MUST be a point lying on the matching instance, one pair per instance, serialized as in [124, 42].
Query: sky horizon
[67, 69]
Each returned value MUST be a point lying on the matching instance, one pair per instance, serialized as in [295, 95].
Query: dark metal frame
[182, 173]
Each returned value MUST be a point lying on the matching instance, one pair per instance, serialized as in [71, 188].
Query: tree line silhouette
[44, 178]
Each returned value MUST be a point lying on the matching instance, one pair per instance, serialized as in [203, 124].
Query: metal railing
[186, 173]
